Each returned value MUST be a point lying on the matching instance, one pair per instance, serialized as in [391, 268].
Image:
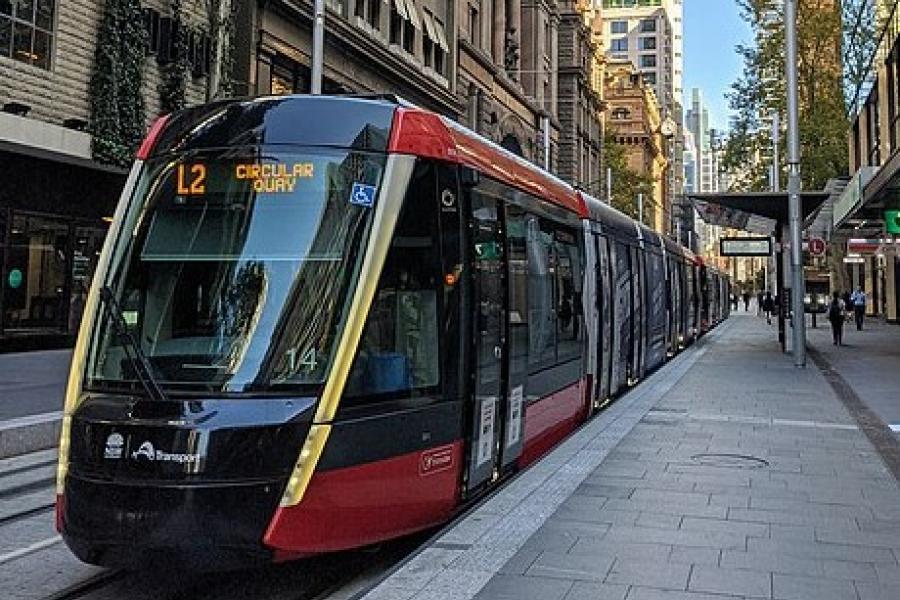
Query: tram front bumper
[138, 526]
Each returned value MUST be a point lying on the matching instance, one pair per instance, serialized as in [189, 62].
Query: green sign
[892, 221]
[15, 278]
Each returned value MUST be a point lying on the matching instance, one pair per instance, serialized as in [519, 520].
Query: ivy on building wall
[173, 88]
[221, 17]
[117, 105]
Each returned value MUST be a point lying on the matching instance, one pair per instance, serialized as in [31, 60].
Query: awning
[400, 5]
[428, 22]
[413, 12]
[758, 212]
[442, 36]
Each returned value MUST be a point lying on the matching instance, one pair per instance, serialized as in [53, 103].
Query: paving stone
[689, 555]
[793, 587]
[589, 590]
[736, 582]
[518, 587]
[771, 562]
[821, 550]
[877, 591]
[570, 566]
[649, 573]
[603, 549]
[520, 562]
[658, 520]
[724, 526]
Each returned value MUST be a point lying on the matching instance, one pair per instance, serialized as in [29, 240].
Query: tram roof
[380, 124]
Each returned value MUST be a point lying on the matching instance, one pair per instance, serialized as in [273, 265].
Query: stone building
[55, 199]
[496, 75]
[580, 101]
[636, 123]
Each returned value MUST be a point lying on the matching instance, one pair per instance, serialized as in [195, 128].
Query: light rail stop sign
[817, 246]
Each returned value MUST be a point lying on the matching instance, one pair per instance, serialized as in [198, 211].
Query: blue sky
[711, 30]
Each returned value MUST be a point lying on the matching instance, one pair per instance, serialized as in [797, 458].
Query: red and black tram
[319, 323]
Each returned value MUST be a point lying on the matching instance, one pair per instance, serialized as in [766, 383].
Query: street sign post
[745, 246]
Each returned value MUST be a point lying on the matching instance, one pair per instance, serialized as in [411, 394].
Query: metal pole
[318, 49]
[793, 160]
[641, 208]
[776, 171]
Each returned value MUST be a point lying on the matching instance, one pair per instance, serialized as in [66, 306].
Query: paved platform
[727, 474]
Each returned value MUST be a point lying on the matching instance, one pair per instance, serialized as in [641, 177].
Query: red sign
[817, 246]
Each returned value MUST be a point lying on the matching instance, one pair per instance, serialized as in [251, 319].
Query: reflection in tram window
[541, 294]
[399, 349]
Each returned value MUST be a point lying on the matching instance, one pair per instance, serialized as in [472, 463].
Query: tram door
[488, 268]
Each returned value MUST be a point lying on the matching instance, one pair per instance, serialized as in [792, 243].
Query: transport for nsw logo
[436, 460]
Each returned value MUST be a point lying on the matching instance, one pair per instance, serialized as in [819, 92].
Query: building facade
[635, 120]
[649, 33]
[581, 107]
[863, 218]
[55, 199]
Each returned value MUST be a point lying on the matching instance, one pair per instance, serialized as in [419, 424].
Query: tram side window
[568, 302]
[398, 353]
[555, 315]
[541, 294]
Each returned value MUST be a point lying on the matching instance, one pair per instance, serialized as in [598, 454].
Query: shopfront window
[35, 274]
[47, 265]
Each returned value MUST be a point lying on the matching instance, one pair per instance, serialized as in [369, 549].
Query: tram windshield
[233, 270]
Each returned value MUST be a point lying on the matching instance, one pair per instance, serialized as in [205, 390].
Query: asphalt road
[32, 382]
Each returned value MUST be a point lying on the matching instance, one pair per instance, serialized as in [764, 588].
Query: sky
[712, 28]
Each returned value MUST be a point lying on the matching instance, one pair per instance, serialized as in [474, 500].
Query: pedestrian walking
[746, 301]
[734, 302]
[759, 303]
[849, 305]
[836, 311]
[858, 299]
[768, 307]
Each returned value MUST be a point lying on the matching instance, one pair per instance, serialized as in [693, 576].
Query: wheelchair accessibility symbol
[362, 194]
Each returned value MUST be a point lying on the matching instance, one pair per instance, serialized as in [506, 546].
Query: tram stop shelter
[762, 213]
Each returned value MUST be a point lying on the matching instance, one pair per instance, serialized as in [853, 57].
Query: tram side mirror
[469, 177]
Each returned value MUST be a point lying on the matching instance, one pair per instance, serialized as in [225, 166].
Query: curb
[29, 434]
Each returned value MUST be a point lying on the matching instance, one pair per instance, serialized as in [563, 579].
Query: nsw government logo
[114, 444]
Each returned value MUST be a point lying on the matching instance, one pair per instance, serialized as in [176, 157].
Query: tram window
[398, 352]
[541, 294]
[568, 302]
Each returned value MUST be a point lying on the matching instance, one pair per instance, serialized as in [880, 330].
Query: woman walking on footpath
[836, 311]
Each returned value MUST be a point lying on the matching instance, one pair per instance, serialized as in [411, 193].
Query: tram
[319, 323]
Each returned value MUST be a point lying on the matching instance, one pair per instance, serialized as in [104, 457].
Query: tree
[760, 92]
[626, 182]
[117, 104]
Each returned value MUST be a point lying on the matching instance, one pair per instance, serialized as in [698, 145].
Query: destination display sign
[745, 246]
[272, 178]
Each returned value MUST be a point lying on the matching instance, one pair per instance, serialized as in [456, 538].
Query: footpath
[727, 474]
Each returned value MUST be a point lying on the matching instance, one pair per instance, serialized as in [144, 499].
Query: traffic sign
[817, 246]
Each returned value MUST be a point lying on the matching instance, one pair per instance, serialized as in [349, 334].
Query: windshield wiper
[139, 362]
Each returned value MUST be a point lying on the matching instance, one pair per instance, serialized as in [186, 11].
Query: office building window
[648, 43]
[648, 60]
[369, 11]
[474, 26]
[619, 45]
[434, 42]
[404, 19]
[648, 25]
[26, 31]
[649, 78]
[618, 27]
